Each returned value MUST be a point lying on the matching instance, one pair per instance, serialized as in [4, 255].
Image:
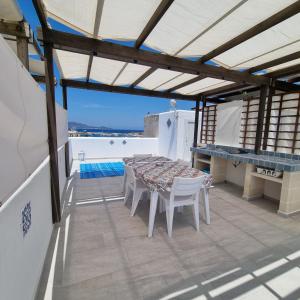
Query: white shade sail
[10, 11]
[202, 86]
[188, 28]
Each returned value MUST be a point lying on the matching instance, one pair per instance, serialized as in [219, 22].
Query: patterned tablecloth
[158, 172]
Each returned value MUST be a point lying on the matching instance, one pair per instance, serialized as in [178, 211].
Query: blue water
[109, 130]
[99, 170]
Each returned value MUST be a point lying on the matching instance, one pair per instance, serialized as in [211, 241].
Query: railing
[112, 147]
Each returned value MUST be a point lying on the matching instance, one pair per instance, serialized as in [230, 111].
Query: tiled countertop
[277, 161]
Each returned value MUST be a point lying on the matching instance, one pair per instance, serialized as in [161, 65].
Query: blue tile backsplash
[274, 160]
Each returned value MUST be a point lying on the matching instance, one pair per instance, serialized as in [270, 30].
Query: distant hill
[77, 125]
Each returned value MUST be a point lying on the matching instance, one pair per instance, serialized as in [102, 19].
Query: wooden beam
[52, 134]
[286, 86]
[20, 29]
[158, 14]
[293, 80]
[292, 70]
[85, 45]
[97, 22]
[280, 16]
[42, 78]
[275, 62]
[260, 118]
[188, 82]
[22, 51]
[123, 90]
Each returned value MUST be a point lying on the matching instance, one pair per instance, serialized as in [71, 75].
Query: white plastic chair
[136, 187]
[184, 192]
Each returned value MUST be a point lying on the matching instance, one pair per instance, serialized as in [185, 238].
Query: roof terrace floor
[100, 252]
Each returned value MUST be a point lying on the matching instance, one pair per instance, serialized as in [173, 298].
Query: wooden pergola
[241, 80]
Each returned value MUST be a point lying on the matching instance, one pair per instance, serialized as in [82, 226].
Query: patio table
[158, 173]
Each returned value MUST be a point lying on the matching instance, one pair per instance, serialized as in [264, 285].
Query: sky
[118, 111]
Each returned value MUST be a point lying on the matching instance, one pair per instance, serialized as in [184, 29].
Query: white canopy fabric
[189, 28]
[10, 11]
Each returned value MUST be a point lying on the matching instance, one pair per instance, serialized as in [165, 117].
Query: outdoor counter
[215, 159]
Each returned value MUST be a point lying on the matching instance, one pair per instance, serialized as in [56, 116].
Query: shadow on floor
[100, 252]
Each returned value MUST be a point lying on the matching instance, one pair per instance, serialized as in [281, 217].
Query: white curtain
[228, 123]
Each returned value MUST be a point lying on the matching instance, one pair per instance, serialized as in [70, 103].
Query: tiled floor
[100, 252]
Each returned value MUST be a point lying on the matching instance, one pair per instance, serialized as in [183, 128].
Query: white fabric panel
[23, 122]
[203, 85]
[125, 20]
[157, 78]
[274, 54]
[9, 10]
[228, 123]
[175, 81]
[36, 66]
[33, 142]
[12, 115]
[61, 125]
[71, 65]
[246, 16]
[105, 70]
[130, 74]
[186, 19]
[276, 37]
[77, 14]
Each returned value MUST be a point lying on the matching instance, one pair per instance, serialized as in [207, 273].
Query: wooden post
[52, 133]
[202, 119]
[268, 116]
[22, 51]
[67, 151]
[260, 118]
[196, 123]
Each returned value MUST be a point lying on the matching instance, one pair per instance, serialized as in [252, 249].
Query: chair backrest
[187, 186]
[130, 174]
[142, 155]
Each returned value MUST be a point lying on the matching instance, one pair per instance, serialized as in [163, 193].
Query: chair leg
[124, 183]
[206, 206]
[170, 216]
[135, 201]
[196, 213]
[127, 192]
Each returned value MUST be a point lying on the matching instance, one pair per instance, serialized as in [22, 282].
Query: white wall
[235, 175]
[176, 139]
[61, 170]
[100, 147]
[22, 257]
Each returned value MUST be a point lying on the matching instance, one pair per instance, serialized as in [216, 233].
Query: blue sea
[109, 132]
